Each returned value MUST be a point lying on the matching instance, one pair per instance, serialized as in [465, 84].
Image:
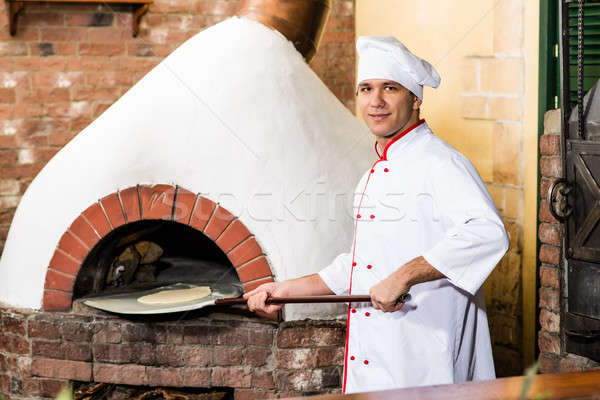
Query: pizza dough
[176, 296]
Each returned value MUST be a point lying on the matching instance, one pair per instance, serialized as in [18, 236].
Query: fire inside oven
[145, 256]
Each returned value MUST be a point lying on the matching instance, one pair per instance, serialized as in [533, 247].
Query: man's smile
[380, 116]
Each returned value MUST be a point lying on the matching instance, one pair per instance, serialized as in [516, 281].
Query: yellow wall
[486, 52]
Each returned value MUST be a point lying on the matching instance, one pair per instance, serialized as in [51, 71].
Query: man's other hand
[385, 294]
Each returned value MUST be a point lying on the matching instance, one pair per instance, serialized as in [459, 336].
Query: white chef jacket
[421, 198]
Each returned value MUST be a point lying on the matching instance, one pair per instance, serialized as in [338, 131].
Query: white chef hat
[384, 57]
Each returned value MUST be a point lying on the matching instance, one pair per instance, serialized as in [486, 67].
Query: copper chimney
[301, 21]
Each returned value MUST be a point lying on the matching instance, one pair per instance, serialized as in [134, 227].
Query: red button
[367, 314]
[357, 215]
[372, 216]
[354, 264]
[369, 266]
[366, 362]
[353, 310]
[372, 170]
[352, 358]
[386, 170]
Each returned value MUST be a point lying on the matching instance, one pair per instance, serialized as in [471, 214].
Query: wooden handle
[308, 299]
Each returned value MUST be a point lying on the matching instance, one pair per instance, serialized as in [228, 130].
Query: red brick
[65, 369]
[43, 329]
[549, 299]
[246, 251]
[97, 219]
[550, 145]
[170, 6]
[28, 110]
[115, 353]
[220, 219]
[61, 350]
[235, 233]
[13, 49]
[164, 377]
[113, 210]
[202, 212]
[107, 332]
[253, 270]
[73, 247]
[71, 109]
[306, 336]
[184, 205]
[549, 277]
[295, 379]
[76, 331]
[79, 123]
[129, 64]
[550, 321]
[545, 215]
[120, 374]
[225, 356]
[108, 79]
[236, 377]
[195, 377]
[56, 301]
[330, 356]
[20, 345]
[101, 49]
[169, 355]
[109, 35]
[248, 286]
[14, 324]
[89, 64]
[257, 394]
[58, 79]
[549, 233]
[257, 356]
[262, 379]
[131, 204]
[94, 93]
[63, 34]
[42, 18]
[198, 356]
[89, 19]
[51, 387]
[5, 343]
[83, 231]
[550, 254]
[157, 201]
[39, 64]
[295, 358]
[550, 166]
[31, 386]
[59, 281]
[66, 264]
[548, 343]
[7, 95]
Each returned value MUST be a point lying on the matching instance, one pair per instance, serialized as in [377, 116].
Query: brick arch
[142, 202]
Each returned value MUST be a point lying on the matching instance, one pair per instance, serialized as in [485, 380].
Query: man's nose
[377, 99]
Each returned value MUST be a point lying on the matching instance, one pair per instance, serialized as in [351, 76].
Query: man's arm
[310, 285]
[386, 292]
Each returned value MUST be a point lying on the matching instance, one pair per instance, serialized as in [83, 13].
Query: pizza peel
[221, 295]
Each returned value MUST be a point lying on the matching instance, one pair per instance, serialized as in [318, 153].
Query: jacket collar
[396, 143]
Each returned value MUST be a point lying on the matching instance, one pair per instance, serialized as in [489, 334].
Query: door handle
[557, 199]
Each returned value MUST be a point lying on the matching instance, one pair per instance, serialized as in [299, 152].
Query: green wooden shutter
[591, 48]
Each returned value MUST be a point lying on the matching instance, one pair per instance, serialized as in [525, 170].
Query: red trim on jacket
[394, 140]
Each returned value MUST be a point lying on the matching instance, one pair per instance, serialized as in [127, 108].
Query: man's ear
[416, 102]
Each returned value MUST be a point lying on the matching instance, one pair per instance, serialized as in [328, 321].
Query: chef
[424, 225]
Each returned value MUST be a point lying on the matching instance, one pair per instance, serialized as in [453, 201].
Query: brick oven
[230, 155]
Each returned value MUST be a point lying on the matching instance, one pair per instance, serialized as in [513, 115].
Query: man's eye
[390, 88]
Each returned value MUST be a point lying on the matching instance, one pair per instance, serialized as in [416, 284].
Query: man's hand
[386, 292]
[257, 297]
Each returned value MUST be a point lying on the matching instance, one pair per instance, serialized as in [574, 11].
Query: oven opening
[149, 254]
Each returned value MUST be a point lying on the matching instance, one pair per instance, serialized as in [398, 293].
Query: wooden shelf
[140, 7]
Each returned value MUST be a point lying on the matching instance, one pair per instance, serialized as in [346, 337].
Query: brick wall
[493, 92]
[69, 62]
[552, 357]
[40, 352]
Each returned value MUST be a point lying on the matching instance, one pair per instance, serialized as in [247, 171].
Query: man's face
[386, 106]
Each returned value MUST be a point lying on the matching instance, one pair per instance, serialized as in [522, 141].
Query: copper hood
[301, 21]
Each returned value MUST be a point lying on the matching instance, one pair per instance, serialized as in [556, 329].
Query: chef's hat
[384, 57]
